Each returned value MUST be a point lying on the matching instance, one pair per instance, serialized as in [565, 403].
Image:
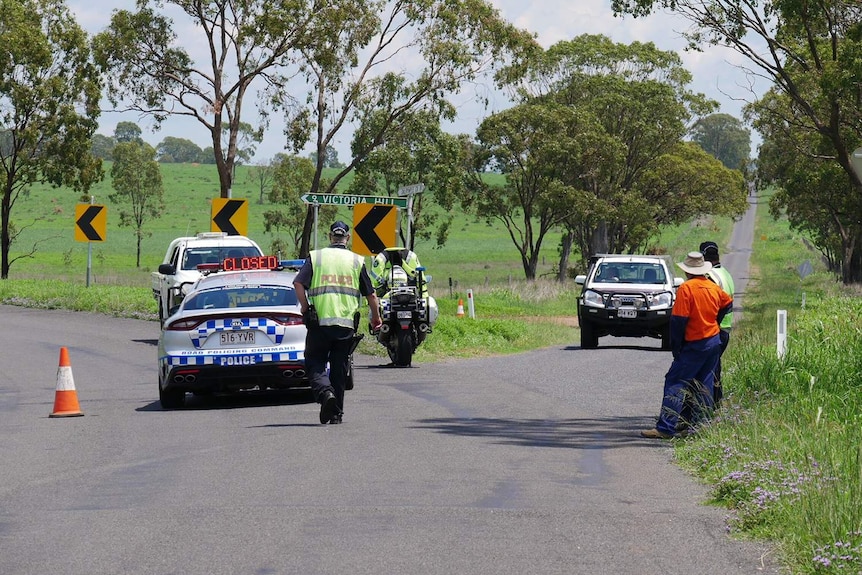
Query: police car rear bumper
[231, 378]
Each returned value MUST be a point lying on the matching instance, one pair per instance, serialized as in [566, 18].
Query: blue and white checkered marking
[263, 324]
[234, 358]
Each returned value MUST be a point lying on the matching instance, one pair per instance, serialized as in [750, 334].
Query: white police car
[238, 328]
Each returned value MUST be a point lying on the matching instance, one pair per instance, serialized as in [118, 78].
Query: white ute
[179, 269]
[625, 295]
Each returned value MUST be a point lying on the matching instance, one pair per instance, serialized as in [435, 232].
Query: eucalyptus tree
[137, 183]
[533, 145]
[330, 158]
[173, 150]
[103, 146]
[725, 138]
[634, 110]
[260, 175]
[291, 177]
[374, 66]
[814, 193]
[228, 49]
[327, 65]
[49, 105]
[811, 51]
[127, 132]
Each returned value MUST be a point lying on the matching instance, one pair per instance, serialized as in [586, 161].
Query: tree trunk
[138, 255]
[307, 228]
[600, 239]
[565, 251]
[5, 239]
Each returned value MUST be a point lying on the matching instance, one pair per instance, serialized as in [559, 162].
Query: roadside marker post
[782, 333]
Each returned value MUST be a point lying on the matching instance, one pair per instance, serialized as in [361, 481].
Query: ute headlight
[661, 300]
[593, 299]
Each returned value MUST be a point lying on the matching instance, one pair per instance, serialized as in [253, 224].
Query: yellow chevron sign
[91, 223]
[230, 216]
[374, 227]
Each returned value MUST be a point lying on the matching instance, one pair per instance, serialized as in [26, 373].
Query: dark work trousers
[688, 385]
[717, 391]
[328, 344]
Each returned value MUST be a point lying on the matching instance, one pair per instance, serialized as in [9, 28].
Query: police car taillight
[185, 324]
[287, 319]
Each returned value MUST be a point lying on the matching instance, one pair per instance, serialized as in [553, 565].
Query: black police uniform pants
[328, 345]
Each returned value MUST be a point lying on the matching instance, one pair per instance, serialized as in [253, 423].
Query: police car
[238, 328]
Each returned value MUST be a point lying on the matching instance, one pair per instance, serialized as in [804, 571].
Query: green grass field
[476, 256]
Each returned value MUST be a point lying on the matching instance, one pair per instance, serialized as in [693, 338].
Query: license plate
[628, 313]
[405, 314]
[236, 337]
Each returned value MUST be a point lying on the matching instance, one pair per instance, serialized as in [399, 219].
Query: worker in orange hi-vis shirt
[696, 346]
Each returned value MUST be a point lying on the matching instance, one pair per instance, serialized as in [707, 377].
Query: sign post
[90, 226]
[856, 162]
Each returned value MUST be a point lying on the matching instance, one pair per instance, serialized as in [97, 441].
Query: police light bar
[292, 264]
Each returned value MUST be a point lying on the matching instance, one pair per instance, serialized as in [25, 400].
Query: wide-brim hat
[695, 264]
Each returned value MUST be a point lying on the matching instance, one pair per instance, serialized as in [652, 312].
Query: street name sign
[410, 190]
[351, 200]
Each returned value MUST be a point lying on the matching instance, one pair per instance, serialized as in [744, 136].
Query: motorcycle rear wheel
[402, 355]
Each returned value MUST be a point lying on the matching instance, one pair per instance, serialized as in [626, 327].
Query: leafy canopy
[49, 105]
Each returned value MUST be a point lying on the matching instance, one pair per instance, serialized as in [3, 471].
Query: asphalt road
[513, 465]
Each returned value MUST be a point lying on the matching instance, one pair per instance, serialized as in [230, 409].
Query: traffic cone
[460, 308]
[66, 398]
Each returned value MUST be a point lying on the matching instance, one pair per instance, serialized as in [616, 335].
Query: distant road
[735, 257]
[519, 465]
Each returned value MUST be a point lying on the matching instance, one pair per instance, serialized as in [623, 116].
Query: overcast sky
[715, 72]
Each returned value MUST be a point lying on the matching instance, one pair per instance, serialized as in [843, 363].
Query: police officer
[381, 267]
[722, 277]
[699, 307]
[329, 287]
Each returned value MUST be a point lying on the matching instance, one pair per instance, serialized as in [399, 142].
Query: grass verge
[784, 453]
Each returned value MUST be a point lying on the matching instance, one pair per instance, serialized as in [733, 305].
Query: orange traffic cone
[66, 398]
[460, 308]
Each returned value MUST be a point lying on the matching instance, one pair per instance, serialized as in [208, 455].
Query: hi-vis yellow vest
[334, 289]
[725, 281]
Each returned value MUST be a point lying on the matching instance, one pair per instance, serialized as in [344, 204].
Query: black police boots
[328, 406]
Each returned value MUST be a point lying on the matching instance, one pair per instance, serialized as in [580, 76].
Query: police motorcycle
[407, 310]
